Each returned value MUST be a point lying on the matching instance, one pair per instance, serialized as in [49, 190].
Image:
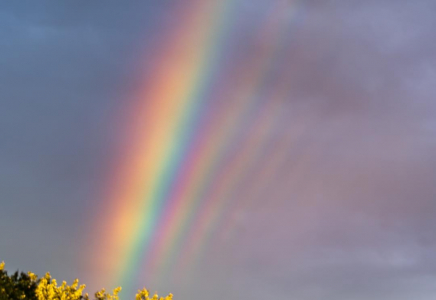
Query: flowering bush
[29, 286]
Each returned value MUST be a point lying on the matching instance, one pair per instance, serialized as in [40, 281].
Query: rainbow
[198, 131]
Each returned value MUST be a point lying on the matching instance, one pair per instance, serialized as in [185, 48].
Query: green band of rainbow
[177, 179]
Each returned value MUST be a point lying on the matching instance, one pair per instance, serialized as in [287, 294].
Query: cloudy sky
[342, 202]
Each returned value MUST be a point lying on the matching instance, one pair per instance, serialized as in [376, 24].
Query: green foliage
[17, 286]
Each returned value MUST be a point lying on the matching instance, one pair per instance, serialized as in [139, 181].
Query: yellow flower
[48, 289]
[100, 294]
[117, 290]
[32, 276]
[142, 294]
[75, 283]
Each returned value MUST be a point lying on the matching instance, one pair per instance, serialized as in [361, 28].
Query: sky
[308, 141]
